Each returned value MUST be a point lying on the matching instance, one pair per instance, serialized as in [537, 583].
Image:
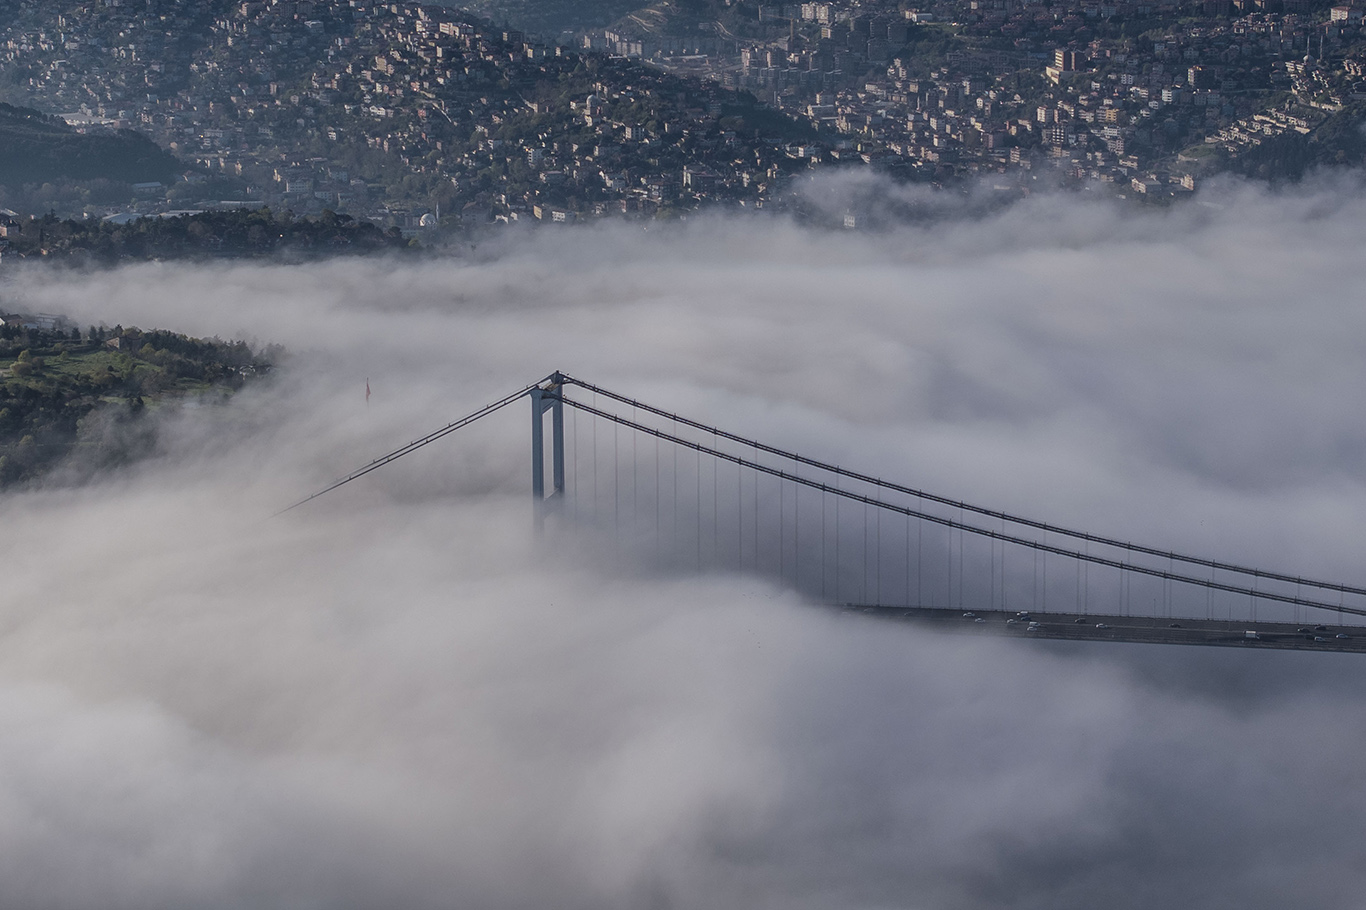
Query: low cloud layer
[397, 696]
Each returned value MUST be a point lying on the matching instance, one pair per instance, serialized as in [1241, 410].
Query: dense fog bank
[396, 695]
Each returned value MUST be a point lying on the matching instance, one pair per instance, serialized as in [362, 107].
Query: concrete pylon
[544, 398]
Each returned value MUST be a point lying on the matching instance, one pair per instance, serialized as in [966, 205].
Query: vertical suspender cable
[574, 460]
[758, 519]
[635, 467]
[740, 516]
[919, 531]
[1079, 604]
[674, 513]
[594, 425]
[616, 484]
[1086, 576]
[796, 531]
[837, 551]
[715, 507]
[656, 493]
[782, 536]
[699, 509]
[962, 557]
[863, 555]
[824, 538]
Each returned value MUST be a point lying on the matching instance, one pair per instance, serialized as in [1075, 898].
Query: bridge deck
[1307, 636]
[690, 504]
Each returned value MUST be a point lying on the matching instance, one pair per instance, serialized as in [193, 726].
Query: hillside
[35, 148]
[1338, 140]
[232, 234]
[549, 18]
[79, 400]
[392, 111]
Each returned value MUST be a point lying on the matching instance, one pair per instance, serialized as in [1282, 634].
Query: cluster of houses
[388, 110]
[1110, 107]
[376, 91]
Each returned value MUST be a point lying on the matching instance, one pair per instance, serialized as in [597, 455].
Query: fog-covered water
[397, 696]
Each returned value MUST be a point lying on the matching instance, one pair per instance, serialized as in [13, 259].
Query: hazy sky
[397, 697]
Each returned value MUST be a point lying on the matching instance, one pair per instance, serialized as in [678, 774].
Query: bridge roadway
[1305, 636]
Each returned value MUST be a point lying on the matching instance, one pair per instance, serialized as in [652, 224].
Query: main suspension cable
[1081, 557]
[419, 443]
[968, 507]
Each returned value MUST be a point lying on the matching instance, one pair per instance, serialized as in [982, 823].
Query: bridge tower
[544, 398]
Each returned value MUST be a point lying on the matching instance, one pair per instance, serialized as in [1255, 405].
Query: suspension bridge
[690, 497]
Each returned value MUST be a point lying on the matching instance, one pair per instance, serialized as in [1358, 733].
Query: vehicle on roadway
[1101, 625]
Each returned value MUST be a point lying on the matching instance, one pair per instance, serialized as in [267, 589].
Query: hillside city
[420, 116]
